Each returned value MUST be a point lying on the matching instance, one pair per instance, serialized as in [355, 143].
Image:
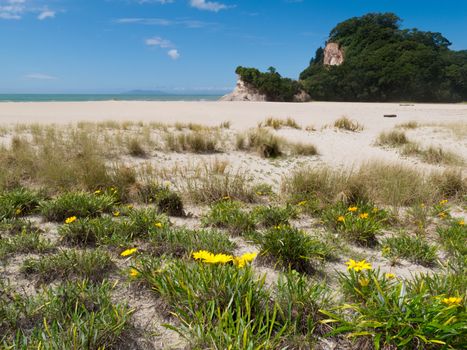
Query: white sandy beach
[336, 148]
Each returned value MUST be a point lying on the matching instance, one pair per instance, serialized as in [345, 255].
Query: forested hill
[382, 62]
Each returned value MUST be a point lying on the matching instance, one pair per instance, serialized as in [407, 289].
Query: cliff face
[245, 92]
[333, 55]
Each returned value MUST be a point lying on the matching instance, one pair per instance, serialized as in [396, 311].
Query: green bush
[270, 216]
[230, 215]
[414, 249]
[79, 204]
[166, 200]
[18, 202]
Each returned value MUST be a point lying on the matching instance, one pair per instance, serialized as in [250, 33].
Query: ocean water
[102, 97]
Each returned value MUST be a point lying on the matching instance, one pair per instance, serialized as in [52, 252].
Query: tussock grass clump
[453, 238]
[69, 264]
[202, 141]
[208, 186]
[409, 125]
[80, 204]
[277, 123]
[303, 149]
[432, 154]
[293, 249]
[344, 123]
[25, 242]
[414, 249]
[135, 148]
[378, 182]
[393, 138]
[74, 315]
[166, 200]
[230, 215]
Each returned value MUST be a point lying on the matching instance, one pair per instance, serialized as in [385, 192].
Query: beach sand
[337, 148]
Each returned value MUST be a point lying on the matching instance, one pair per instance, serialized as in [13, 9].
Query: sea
[102, 97]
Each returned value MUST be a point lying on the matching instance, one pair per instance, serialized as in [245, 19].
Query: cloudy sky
[181, 45]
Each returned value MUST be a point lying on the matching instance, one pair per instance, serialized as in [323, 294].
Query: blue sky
[181, 45]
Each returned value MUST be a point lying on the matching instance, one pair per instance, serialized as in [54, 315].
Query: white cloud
[158, 41]
[208, 5]
[173, 54]
[40, 76]
[46, 14]
[12, 9]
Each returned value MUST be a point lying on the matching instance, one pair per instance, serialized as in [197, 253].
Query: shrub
[166, 200]
[265, 143]
[18, 202]
[269, 216]
[67, 264]
[25, 242]
[414, 249]
[80, 204]
[293, 248]
[230, 215]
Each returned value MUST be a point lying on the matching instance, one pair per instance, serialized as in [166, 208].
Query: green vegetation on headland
[382, 62]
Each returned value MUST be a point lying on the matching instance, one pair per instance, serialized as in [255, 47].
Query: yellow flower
[375, 210]
[442, 215]
[97, 192]
[210, 258]
[116, 213]
[341, 219]
[302, 203]
[259, 193]
[452, 301]
[363, 215]
[129, 206]
[70, 220]
[246, 258]
[129, 252]
[443, 202]
[386, 250]
[134, 272]
[226, 198]
[364, 281]
[461, 223]
[422, 205]
[158, 225]
[390, 275]
[18, 211]
[358, 266]
[352, 209]
[278, 227]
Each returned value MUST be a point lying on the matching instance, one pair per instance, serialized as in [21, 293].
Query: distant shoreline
[102, 97]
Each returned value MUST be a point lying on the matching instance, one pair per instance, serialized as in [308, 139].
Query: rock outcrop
[243, 92]
[246, 92]
[333, 55]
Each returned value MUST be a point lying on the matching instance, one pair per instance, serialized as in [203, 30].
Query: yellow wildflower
[259, 193]
[158, 225]
[226, 198]
[442, 215]
[129, 206]
[390, 275]
[278, 227]
[352, 209]
[129, 252]
[116, 213]
[358, 266]
[134, 272]
[363, 215]
[219, 259]
[18, 211]
[302, 203]
[241, 261]
[443, 202]
[364, 281]
[461, 223]
[97, 192]
[341, 219]
[452, 301]
[375, 210]
[386, 250]
[70, 220]
[201, 255]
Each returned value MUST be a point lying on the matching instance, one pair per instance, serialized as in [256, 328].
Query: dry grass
[393, 138]
[344, 123]
[409, 125]
[276, 123]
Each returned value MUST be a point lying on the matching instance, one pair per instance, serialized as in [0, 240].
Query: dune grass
[345, 123]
